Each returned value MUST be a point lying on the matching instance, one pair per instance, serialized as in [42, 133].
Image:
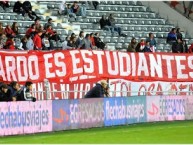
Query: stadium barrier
[118, 87]
[54, 115]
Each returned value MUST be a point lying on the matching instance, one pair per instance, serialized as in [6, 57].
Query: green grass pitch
[179, 132]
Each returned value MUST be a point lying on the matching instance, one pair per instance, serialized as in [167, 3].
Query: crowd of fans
[39, 37]
[13, 92]
[174, 38]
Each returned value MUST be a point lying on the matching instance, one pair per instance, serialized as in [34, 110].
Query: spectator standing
[27, 7]
[30, 43]
[86, 43]
[177, 47]
[18, 8]
[147, 47]
[3, 40]
[23, 45]
[132, 45]
[15, 28]
[185, 47]
[72, 43]
[52, 34]
[172, 38]
[9, 31]
[92, 40]
[79, 11]
[4, 4]
[1, 43]
[178, 34]
[190, 50]
[70, 12]
[37, 24]
[97, 91]
[49, 23]
[104, 24]
[99, 43]
[140, 46]
[46, 42]
[15, 88]
[31, 30]
[38, 41]
[5, 93]
[25, 93]
[2, 31]
[10, 43]
[64, 44]
[151, 41]
[80, 38]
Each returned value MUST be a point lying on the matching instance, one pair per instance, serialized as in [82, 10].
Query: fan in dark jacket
[98, 42]
[104, 24]
[28, 9]
[24, 93]
[18, 8]
[5, 93]
[97, 91]
[177, 47]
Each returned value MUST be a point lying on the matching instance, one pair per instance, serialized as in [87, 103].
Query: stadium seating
[135, 20]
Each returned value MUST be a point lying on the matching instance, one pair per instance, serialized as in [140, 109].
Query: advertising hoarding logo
[154, 110]
[63, 117]
[60, 115]
[125, 110]
[16, 118]
[164, 108]
[87, 113]
[74, 114]
[189, 107]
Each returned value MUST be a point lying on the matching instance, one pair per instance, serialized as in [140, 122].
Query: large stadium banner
[74, 114]
[165, 108]
[124, 110]
[25, 117]
[78, 66]
[121, 87]
[189, 108]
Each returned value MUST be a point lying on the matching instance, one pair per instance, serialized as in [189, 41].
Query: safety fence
[118, 87]
[54, 115]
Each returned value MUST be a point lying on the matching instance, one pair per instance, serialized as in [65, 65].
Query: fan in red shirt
[38, 41]
[30, 30]
[10, 43]
[9, 31]
[92, 39]
[191, 48]
[50, 31]
[53, 35]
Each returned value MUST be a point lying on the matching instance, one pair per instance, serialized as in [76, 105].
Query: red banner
[78, 66]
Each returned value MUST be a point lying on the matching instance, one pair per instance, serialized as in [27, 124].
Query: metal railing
[112, 93]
